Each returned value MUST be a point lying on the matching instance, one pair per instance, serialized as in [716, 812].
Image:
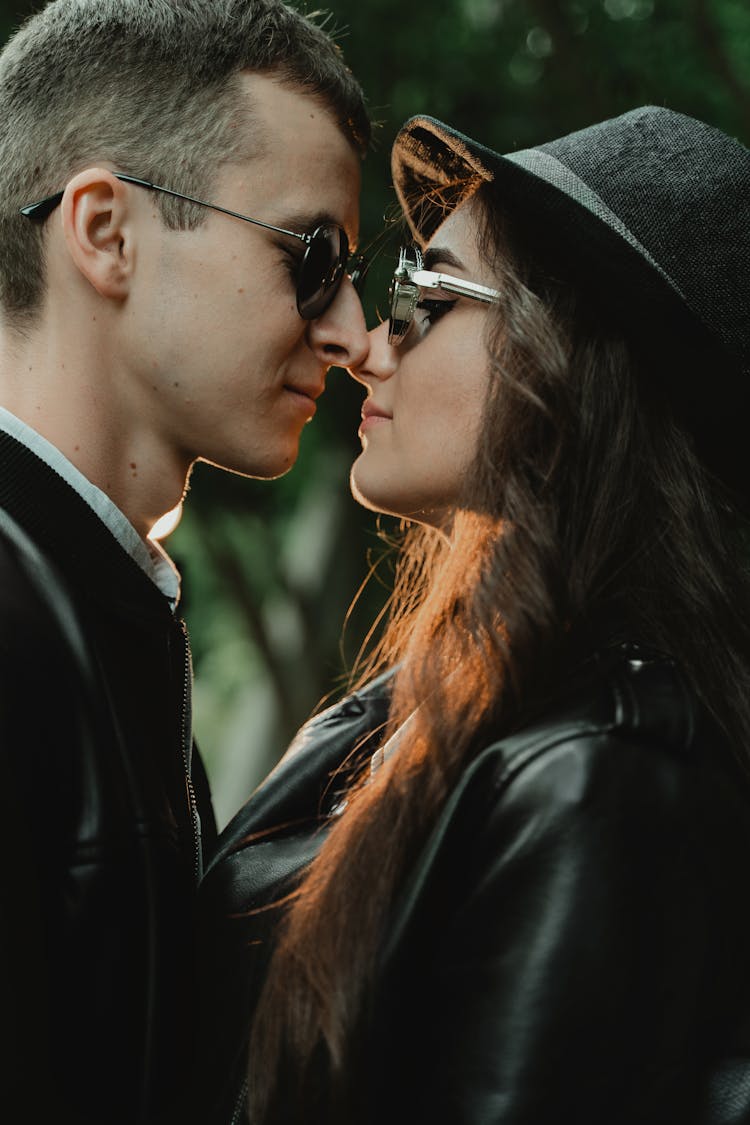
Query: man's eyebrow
[444, 256]
[305, 222]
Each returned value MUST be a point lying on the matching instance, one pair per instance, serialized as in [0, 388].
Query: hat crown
[674, 188]
[682, 188]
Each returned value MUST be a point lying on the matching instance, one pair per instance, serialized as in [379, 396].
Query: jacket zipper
[239, 1106]
[186, 739]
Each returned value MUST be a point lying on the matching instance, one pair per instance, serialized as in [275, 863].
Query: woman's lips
[370, 410]
[373, 415]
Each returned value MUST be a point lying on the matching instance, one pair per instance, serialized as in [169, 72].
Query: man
[139, 331]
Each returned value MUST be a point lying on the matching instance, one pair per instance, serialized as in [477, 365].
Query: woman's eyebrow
[443, 255]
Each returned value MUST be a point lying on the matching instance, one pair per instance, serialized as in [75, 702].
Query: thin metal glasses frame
[39, 211]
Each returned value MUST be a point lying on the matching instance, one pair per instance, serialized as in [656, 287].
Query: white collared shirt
[150, 557]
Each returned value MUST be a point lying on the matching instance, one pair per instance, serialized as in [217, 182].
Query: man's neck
[73, 396]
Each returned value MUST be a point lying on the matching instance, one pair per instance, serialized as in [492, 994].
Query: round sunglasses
[405, 294]
[321, 270]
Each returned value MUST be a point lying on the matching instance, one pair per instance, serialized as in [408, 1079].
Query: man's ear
[98, 226]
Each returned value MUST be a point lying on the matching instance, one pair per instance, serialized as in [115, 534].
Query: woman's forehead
[458, 234]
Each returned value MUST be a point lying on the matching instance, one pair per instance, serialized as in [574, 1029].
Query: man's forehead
[286, 116]
[328, 195]
[305, 172]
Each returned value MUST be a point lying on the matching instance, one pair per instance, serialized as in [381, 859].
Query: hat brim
[436, 169]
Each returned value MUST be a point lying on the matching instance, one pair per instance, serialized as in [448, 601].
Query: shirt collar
[150, 557]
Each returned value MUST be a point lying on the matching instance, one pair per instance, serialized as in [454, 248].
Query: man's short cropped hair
[153, 87]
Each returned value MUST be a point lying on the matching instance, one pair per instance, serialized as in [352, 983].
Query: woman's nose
[380, 360]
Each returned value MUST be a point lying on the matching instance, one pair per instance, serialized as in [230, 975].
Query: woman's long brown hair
[587, 512]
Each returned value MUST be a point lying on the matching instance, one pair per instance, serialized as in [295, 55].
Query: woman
[506, 880]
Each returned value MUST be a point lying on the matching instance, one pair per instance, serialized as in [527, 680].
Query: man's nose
[339, 336]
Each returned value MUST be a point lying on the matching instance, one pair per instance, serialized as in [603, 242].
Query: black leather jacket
[101, 811]
[573, 943]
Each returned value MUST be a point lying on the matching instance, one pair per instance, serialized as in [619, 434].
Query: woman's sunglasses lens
[403, 295]
[321, 271]
[402, 303]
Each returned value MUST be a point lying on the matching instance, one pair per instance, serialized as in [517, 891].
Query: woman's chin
[363, 492]
[378, 498]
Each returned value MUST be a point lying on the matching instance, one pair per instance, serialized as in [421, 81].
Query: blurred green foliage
[271, 567]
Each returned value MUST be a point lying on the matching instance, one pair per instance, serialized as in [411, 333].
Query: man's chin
[268, 469]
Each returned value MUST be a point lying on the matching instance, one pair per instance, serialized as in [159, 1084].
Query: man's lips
[304, 396]
[311, 391]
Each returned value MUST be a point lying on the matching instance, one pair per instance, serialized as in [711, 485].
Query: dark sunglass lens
[321, 271]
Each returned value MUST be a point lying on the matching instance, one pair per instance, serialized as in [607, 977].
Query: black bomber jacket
[572, 944]
[102, 803]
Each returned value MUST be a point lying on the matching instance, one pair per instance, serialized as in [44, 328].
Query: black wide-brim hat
[649, 213]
